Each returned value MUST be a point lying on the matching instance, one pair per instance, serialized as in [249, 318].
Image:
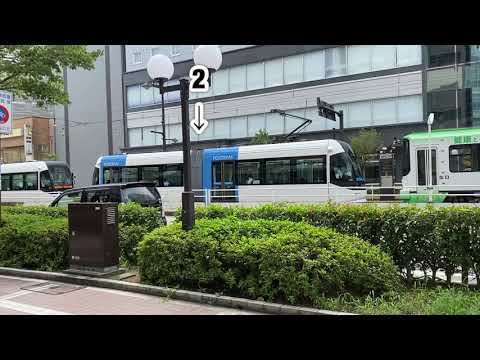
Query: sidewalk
[22, 296]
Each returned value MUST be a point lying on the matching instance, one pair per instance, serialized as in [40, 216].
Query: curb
[225, 301]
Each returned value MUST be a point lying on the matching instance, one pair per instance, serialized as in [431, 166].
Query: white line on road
[24, 292]
[29, 309]
[21, 279]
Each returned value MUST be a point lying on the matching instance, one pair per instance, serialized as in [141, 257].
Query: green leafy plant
[261, 137]
[34, 242]
[134, 222]
[36, 71]
[430, 238]
[276, 260]
[365, 144]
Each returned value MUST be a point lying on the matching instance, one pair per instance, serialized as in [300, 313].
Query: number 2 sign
[199, 79]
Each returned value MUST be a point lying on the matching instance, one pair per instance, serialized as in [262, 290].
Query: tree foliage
[261, 137]
[36, 71]
[364, 144]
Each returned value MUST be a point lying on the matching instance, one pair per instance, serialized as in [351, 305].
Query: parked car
[143, 193]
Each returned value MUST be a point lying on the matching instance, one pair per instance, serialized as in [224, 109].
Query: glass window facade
[453, 85]
[315, 65]
[378, 112]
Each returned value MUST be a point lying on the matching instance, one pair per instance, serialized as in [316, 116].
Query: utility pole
[109, 100]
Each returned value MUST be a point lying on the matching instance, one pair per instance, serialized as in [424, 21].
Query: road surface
[20, 296]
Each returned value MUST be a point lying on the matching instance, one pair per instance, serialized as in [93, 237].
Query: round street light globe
[209, 56]
[160, 66]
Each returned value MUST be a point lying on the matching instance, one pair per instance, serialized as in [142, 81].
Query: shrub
[129, 214]
[34, 242]
[430, 237]
[276, 260]
[41, 210]
[134, 222]
[129, 238]
[135, 214]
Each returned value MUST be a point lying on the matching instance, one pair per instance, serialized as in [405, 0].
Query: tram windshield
[60, 177]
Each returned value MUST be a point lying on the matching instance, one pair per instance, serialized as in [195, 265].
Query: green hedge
[431, 237]
[34, 242]
[129, 214]
[134, 222]
[276, 260]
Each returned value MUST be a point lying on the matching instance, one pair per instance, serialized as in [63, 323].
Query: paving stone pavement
[16, 300]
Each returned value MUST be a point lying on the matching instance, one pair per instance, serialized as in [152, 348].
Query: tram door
[224, 182]
[422, 170]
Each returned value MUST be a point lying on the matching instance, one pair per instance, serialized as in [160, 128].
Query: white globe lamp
[209, 56]
[160, 67]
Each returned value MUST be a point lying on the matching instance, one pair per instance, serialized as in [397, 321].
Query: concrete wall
[87, 114]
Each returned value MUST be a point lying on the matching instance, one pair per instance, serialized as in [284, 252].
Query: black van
[143, 193]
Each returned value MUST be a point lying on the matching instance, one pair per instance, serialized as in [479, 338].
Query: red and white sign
[5, 113]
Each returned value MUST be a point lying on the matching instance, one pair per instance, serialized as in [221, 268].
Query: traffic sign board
[5, 113]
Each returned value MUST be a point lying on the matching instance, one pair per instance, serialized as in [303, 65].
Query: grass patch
[439, 301]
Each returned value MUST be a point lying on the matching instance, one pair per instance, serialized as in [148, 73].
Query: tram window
[311, 171]
[112, 176]
[129, 174]
[17, 182]
[31, 181]
[95, 180]
[151, 173]
[421, 167]
[277, 172]
[249, 173]
[6, 186]
[172, 175]
[464, 158]
[342, 172]
[405, 157]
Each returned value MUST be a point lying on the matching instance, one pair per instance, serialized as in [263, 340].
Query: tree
[35, 72]
[365, 144]
[52, 156]
[261, 137]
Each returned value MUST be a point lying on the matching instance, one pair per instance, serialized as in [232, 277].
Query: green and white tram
[455, 166]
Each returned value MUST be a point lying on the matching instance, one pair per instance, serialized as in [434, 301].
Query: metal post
[340, 122]
[188, 197]
[164, 140]
[429, 165]
[66, 120]
[1, 162]
[109, 100]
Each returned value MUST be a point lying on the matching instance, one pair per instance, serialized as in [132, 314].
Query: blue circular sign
[4, 115]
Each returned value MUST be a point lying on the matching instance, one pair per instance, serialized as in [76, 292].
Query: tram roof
[443, 133]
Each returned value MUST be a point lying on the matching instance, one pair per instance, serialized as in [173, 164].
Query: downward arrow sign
[199, 124]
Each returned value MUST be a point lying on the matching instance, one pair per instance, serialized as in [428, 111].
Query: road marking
[21, 279]
[24, 292]
[29, 309]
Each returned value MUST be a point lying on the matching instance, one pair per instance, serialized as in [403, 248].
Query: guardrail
[312, 194]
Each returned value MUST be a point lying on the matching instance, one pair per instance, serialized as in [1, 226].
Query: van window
[142, 195]
[103, 195]
[73, 197]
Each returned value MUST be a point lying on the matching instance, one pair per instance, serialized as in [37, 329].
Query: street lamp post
[429, 160]
[160, 69]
